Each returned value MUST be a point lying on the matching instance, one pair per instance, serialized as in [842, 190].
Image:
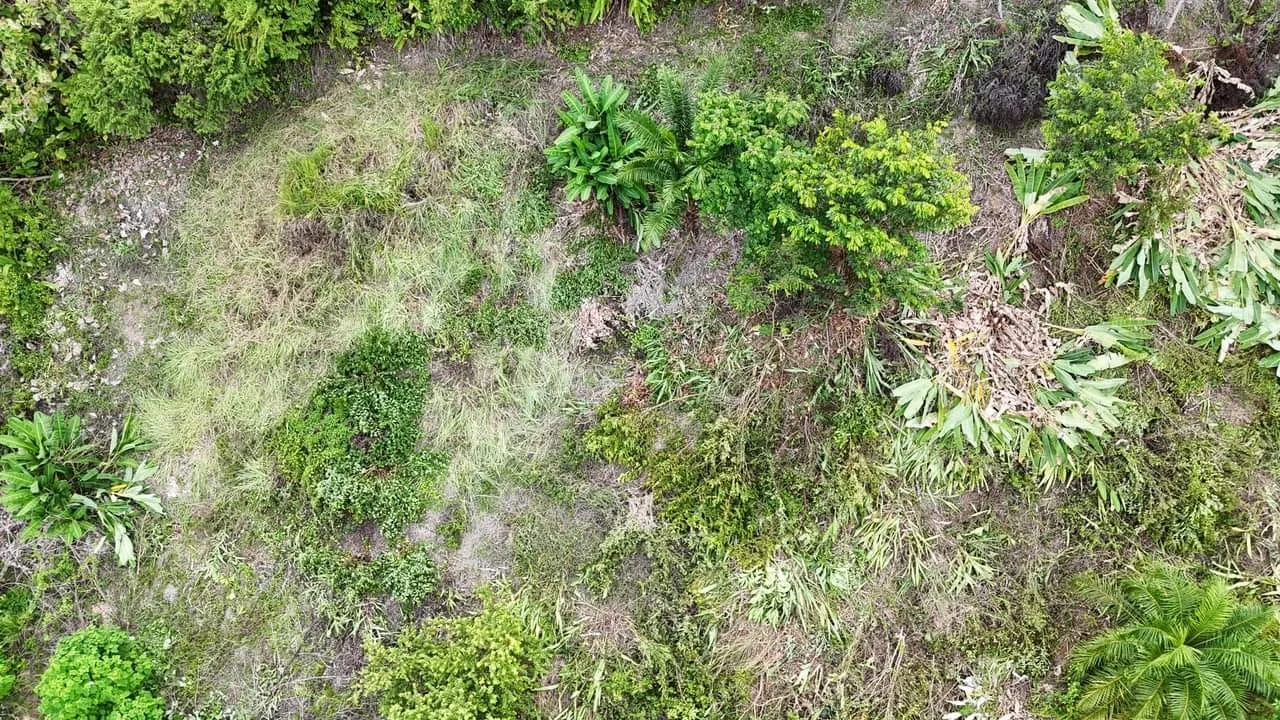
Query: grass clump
[305, 191]
[598, 273]
[99, 672]
[353, 447]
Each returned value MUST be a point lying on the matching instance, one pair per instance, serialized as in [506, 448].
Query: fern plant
[59, 485]
[665, 163]
[1185, 651]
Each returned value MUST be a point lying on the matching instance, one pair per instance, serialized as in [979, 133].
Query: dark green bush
[29, 246]
[1126, 110]
[354, 21]
[142, 63]
[480, 667]
[407, 575]
[38, 47]
[353, 447]
[99, 673]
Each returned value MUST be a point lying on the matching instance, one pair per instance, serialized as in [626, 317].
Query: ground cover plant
[638, 360]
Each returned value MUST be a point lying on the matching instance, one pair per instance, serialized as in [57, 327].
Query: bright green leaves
[1123, 112]
[57, 483]
[99, 672]
[1186, 651]
[353, 447]
[590, 153]
[861, 192]
[479, 667]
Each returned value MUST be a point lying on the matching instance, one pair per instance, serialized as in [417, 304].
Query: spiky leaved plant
[664, 162]
[1186, 651]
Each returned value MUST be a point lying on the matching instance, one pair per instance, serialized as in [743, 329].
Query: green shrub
[353, 447]
[38, 47]
[598, 274]
[1185, 650]
[99, 673]
[142, 62]
[407, 575]
[591, 152]
[480, 667]
[399, 21]
[60, 485]
[847, 209]
[8, 675]
[739, 137]
[1126, 110]
[29, 246]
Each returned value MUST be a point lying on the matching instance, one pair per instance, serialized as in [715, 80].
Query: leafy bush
[740, 136]
[484, 666]
[1185, 650]
[28, 248]
[407, 574]
[141, 63]
[58, 484]
[37, 49]
[353, 447]
[848, 208]
[8, 675]
[1127, 110]
[99, 673]
[590, 153]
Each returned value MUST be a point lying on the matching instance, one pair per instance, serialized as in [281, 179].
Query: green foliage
[1185, 650]
[1124, 112]
[29, 245]
[142, 62]
[353, 447]
[8, 675]
[510, 320]
[396, 20]
[591, 152]
[453, 527]
[37, 44]
[464, 668]
[60, 485]
[99, 673]
[664, 163]
[305, 192]
[847, 209]
[739, 136]
[407, 575]
[597, 273]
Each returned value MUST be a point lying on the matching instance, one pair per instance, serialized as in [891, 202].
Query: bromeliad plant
[60, 485]
[1040, 191]
[1186, 651]
[591, 152]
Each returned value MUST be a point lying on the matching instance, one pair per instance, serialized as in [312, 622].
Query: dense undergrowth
[741, 367]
